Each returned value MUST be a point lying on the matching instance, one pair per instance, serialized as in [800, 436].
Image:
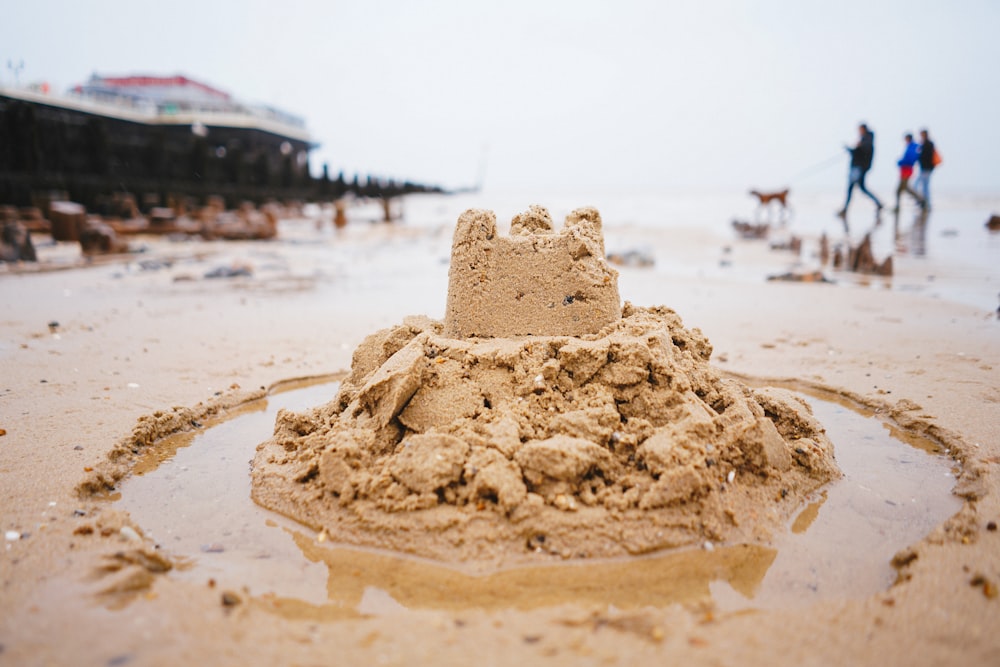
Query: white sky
[709, 94]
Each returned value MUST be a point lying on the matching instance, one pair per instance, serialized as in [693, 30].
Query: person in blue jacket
[861, 162]
[911, 153]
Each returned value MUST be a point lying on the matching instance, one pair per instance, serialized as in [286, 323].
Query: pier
[91, 147]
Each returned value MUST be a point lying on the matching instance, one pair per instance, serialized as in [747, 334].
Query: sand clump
[470, 440]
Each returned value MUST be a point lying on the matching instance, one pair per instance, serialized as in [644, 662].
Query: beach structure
[157, 137]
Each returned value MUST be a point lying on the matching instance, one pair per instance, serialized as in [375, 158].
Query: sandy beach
[95, 359]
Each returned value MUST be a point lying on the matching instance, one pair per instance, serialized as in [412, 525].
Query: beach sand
[87, 352]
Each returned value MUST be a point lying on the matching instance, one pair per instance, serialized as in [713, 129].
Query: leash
[818, 167]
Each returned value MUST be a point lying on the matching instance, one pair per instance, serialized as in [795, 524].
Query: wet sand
[131, 341]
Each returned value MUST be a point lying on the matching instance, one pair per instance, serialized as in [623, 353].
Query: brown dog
[767, 197]
[765, 200]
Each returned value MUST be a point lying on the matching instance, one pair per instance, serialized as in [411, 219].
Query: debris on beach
[15, 242]
[120, 218]
[801, 277]
[993, 224]
[29, 217]
[860, 259]
[99, 238]
[791, 243]
[33, 220]
[230, 599]
[211, 221]
[541, 418]
[235, 270]
[750, 230]
[727, 254]
[247, 223]
[632, 258]
[67, 218]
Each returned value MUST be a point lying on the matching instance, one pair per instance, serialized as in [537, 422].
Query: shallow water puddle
[192, 495]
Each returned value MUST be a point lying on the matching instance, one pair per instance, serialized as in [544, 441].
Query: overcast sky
[708, 94]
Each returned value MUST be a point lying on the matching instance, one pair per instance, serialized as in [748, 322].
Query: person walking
[928, 160]
[861, 162]
[911, 153]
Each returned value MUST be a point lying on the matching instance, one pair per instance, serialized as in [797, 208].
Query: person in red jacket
[911, 153]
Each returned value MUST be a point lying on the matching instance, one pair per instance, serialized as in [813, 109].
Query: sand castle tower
[535, 282]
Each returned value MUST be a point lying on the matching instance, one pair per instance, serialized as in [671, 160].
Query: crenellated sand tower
[535, 282]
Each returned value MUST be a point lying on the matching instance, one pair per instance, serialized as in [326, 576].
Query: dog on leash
[766, 199]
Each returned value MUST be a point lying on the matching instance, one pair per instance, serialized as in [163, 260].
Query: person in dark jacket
[861, 162]
[911, 153]
[927, 164]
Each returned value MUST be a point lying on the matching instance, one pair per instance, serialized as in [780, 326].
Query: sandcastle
[541, 418]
